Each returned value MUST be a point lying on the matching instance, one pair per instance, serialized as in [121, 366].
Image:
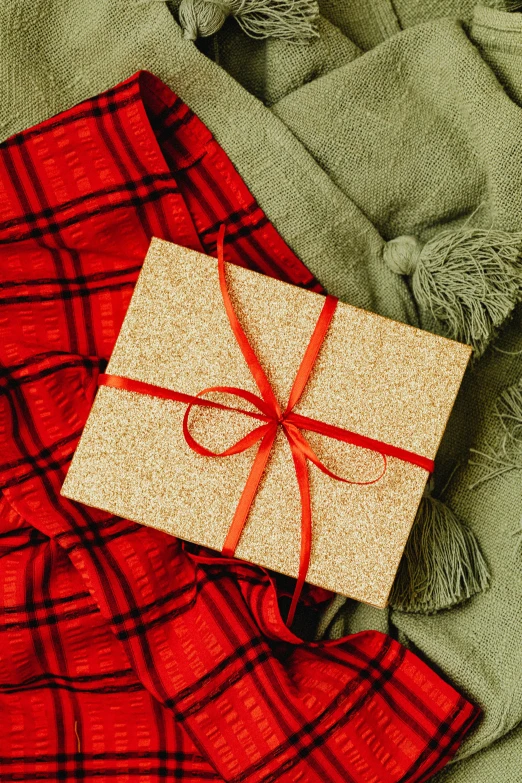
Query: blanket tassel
[469, 280]
[290, 20]
[442, 563]
[503, 456]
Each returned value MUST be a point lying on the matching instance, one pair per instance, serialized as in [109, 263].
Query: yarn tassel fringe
[442, 563]
[468, 280]
[289, 20]
[499, 458]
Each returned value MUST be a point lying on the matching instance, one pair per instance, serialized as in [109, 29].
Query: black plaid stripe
[48, 220]
[75, 680]
[41, 656]
[452, 741]
[111, 101]
[135, 202]
[113, 149]
[39, 619]
[128, 755]
[46, 603]
[57, 256]
[410, 697]
[11, 382]
[140, 626]
[73, 767]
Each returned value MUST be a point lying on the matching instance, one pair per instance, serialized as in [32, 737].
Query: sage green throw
[345, 150]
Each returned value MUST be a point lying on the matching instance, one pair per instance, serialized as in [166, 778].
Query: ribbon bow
[271, 415]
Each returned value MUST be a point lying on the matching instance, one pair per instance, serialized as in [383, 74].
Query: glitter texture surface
[374, 376]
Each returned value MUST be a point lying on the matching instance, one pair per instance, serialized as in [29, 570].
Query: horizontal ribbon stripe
[271, 418]
[339, 433]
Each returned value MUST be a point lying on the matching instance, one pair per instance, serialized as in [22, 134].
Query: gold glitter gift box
[373, 376]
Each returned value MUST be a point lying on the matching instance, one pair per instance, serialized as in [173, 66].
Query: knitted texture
[498, 763]
[368, 24]
[419, 134]
[275, 67]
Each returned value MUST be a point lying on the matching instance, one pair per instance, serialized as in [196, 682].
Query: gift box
[327, 478]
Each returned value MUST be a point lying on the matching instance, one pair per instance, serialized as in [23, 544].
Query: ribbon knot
[268, 412]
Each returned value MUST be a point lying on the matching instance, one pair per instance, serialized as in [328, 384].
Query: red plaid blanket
[125, 655]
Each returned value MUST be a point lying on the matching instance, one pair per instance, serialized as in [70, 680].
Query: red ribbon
[271, 416]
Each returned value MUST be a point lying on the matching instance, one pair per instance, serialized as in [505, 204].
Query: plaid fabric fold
[125, 654]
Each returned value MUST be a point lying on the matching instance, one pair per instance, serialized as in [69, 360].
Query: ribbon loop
[244, 443]
[269, 413]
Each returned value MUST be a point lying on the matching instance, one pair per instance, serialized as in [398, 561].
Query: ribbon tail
[249, 492]
[301, 444]
[301, 471]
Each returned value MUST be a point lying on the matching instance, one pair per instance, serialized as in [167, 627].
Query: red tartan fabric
[125, 655]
